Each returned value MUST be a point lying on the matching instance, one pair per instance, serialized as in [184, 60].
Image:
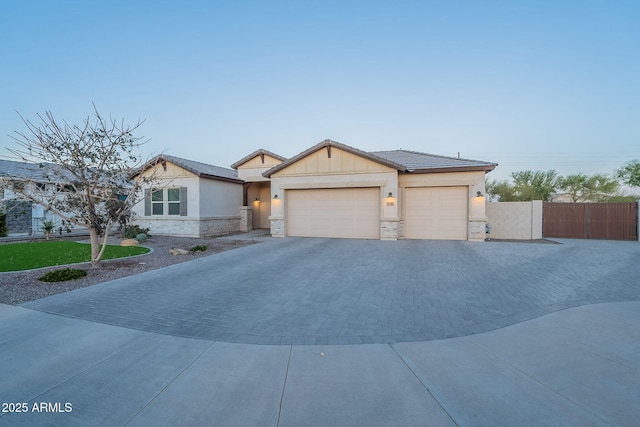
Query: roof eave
[484, 168]
[220, 178]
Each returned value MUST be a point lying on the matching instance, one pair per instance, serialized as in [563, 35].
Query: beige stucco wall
[515, 220]
[213, 207]
[340, 162]
[251, 170]
[474, 181]
[342, 170]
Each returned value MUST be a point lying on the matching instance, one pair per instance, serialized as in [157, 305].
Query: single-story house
[328, 190]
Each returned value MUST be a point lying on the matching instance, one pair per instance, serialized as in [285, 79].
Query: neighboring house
[188, 198]
[24, 217]
[561, 198]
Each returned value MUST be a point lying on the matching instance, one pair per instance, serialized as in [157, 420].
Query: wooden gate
[615, 221]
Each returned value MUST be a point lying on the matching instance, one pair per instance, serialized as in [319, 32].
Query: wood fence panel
[616, 221]
[565, 220]
[613, 221]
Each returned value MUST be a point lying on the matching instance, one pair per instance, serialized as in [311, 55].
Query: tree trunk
[103, 244]
[95, 247]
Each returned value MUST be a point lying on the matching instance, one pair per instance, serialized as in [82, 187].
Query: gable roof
[202, 170]
[327, 143]
[416, 162]
[260, 152]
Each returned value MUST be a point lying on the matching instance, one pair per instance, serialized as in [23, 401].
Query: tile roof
[203, 170]
[415, 161]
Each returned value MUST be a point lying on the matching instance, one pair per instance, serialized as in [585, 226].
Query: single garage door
[436, 213]
[334, 212]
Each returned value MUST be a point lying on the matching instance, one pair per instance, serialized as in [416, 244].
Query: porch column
[246, 218]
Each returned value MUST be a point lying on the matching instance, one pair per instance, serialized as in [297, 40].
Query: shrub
[199, 248]
[63, 275]
[3, 224]
[141, 237]
[132, 231]
[47, 227]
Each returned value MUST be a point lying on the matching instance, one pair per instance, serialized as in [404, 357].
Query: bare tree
[84, 171]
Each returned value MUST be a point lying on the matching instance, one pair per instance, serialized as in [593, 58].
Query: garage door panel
[339, 212]
[439, 213]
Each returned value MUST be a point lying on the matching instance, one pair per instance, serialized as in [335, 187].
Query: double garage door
[430, 213]
[439, 213]
[334, 212]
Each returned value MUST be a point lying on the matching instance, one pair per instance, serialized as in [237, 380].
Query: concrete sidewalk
[579, 367]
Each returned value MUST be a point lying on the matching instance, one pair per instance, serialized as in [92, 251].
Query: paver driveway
[337, 291]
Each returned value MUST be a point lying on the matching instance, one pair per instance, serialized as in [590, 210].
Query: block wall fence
[515, 220]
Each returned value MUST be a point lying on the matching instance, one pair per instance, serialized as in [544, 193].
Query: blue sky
[527, 84]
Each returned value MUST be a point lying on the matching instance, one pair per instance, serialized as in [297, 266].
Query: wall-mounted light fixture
[275, 197]
[390, 201]
[479, 194]
[257, 200]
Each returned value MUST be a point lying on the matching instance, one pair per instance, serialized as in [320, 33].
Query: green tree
[85, 167]
[583, 188]
[601, 187]
[503, 191]
[535, 185]
[574, 185]
[630, 173]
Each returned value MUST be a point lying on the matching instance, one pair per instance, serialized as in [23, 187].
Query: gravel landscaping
[19, 287]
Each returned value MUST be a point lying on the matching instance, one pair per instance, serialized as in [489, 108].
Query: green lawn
[26, 256]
